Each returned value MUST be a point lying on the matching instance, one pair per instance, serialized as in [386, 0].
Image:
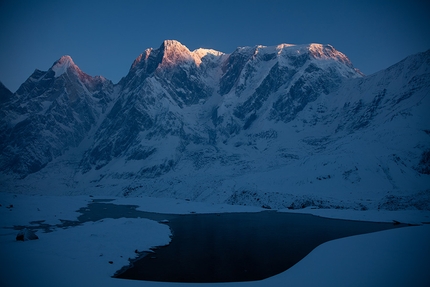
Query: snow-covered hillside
[285, 126]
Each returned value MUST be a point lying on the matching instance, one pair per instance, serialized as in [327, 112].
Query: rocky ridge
[280, 126]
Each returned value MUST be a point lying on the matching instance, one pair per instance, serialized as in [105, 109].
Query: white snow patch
[79, 255]
[17, 209]
[412, 216]
[397, 257]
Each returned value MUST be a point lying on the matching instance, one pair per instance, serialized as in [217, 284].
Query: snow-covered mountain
[281, 126]
[50, 113]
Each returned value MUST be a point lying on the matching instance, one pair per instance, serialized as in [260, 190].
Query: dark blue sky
[104, 37]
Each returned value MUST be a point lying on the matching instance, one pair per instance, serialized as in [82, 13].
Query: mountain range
[287, 126]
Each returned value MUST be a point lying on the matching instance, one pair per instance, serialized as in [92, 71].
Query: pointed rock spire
[174, 53]
[62, 65]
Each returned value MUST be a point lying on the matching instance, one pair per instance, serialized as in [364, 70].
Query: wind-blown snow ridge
[198, 54]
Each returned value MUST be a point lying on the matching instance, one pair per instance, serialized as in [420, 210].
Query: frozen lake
[101, 236]
[229, 247]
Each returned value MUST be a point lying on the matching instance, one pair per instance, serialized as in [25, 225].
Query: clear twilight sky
[104, 36]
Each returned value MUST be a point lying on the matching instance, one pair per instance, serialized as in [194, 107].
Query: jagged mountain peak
[313, 50]
[66, 59]
[173, 44]
[170, 52]
[203, 52]
[166, 58]
[174, 53]
[328, 52]
[141, 57]
[269, 122]
[63, 64]
[200, 53]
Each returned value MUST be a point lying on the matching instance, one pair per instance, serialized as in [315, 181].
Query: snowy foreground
[89, 254]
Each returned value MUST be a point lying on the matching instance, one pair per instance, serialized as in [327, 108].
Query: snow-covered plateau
[296, 128]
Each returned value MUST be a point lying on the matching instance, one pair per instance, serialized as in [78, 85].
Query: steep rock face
[175, 97]
[160, 85]
[51, 112]
[285, 126]
[390, 93]
[275, 83]
[181, 72]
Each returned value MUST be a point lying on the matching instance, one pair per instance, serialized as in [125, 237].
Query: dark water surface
[231, 247]
[227, 247]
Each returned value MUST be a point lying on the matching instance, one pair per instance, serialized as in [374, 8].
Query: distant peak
[174, 53]
[284, 46]
[61, 66]
[173, 46]
[328, 52]
[321, 51]
[65, 60]
[200, 53]
[172, 43]
[203, 52]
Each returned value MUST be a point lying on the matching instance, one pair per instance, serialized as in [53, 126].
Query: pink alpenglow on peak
[200, 53]
[328, 52]
[61, 66]
[175, 53]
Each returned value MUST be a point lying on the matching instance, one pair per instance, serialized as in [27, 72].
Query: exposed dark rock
[424, 164]
[25, 235]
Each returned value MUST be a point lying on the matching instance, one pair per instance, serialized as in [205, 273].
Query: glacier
[286, 126]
